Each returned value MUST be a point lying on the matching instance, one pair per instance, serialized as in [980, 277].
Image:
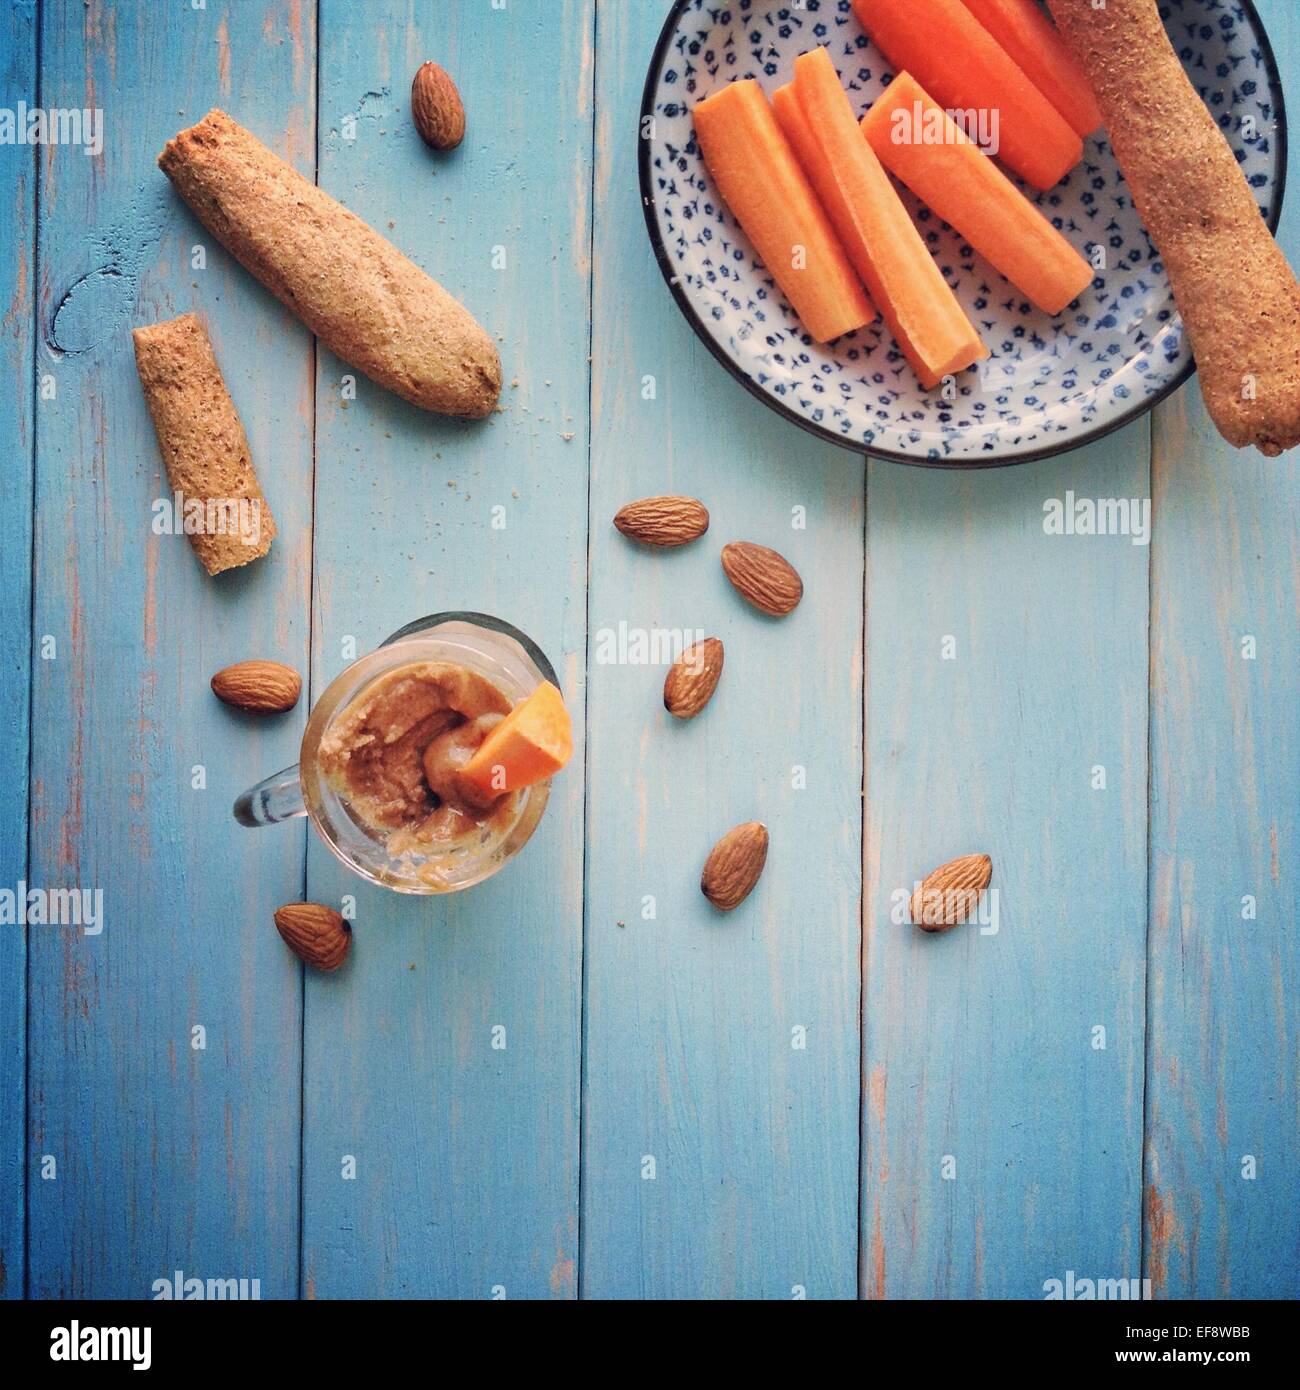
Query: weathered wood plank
[1223, 1079]
[1005, 665]
[979, 1047]
[466, 1156]
[1223, 1065]
[721, 1099]
[19, 83]
[166, 1156]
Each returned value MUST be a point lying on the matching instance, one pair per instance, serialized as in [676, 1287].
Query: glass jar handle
[278, 798]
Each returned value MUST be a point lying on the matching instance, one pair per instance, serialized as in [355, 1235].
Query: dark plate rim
[1065, 446]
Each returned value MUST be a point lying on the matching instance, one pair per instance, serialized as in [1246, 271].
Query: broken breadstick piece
[1236, 293]
[203, 445]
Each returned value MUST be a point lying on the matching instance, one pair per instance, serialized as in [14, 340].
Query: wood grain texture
[467, 1155]
[18, 170]
[1002, 1144]
[696, 1060]
[167, 1157]
[1223, 1067]
[483, 1172]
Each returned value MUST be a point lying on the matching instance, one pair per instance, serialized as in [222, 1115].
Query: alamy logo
[55, 125]
[950, 906]
[929, 125]
[643, 646]
[1072, 1288]
[179, 515]
[53, 907]
[191, 1289]
[1098, 516]
[77, 1343]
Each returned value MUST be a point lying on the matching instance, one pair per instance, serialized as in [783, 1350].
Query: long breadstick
[203, 445]
[1235, 291]
[355, 290]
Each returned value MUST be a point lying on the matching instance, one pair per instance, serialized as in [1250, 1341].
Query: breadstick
[1237, 294]
[355, 290]
[203, 445]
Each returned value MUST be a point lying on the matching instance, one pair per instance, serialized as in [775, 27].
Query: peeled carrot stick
[767, 192]
[924, 147]
[955, 58]
[1031, 40]
[886, 249]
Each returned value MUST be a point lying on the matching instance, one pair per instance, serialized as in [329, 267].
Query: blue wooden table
[578, 1079]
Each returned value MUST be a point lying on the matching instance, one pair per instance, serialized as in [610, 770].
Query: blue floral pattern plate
[1050, 384]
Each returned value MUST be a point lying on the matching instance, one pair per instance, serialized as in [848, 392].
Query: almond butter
[315, 934]
[264, 687]
[693, 678]
[734, 865]
[664, 521]
[768, 580]
[946, 897]
[436, 108]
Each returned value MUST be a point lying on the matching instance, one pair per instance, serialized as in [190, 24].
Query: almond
[693, 678]
[436, 108]
[315, 934]
[265, 687]
[947, 896]
[665, 521]
[768, 580]
[734, 865]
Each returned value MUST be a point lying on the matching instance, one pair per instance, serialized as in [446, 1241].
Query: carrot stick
[769, 195]
[964, 68]
[886, 249]
[1043, 56]
[918, 143]
[1238, 296]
